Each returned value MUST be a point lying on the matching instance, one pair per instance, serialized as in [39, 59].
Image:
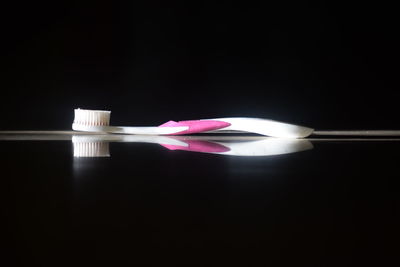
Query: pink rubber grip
[196, 126]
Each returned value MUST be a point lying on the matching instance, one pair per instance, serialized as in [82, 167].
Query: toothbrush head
[86, 117]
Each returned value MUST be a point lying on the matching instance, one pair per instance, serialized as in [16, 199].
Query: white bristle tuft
[88, 117]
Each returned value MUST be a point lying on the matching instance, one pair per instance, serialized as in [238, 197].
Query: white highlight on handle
[129, 130]
[265, 127]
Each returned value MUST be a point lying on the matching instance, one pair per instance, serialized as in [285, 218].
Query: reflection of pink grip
[199, 146]
[196, 126]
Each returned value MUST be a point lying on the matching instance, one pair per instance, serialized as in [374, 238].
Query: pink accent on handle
[196, 126]
[199, 146]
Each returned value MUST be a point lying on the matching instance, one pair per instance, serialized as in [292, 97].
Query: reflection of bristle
[92, 117]
[91, 149]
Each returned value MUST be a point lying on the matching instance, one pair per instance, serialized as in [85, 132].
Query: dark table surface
[90, 200]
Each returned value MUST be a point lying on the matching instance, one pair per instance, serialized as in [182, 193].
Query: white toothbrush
[99, 120]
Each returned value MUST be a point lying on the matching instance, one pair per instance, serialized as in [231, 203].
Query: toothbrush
[99, 120]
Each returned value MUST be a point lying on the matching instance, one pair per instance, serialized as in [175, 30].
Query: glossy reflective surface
[90, 200]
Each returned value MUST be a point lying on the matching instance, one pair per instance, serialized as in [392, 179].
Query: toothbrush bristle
[92, 117]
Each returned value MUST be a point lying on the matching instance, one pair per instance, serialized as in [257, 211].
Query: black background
[327, 66]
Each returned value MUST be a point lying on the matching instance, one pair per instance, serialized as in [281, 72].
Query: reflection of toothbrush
[98, 121]
[247, 147]
[97, 145]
